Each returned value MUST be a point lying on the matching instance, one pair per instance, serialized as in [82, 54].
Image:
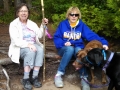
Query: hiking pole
[42, 4]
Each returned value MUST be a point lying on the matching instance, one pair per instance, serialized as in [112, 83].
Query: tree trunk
[17, 2]
[29, 3]
[6, 5]
[1, 3]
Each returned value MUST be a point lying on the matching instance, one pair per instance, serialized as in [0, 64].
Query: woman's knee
[30, 53]
[40, 50]
[26, 52]
[70, 49]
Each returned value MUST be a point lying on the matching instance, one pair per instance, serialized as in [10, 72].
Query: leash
[97, 86]
[110, 58]
[93, 85]
[46, 31]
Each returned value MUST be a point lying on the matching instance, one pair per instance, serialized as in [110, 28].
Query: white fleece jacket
[16, 36]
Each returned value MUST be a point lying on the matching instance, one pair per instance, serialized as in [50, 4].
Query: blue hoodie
[75, 35]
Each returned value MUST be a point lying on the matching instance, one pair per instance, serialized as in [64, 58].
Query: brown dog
[82, 53]
[108, 61]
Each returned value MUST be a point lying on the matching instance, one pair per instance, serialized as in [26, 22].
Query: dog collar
[89, 60]
[104, 54]
[79, 61]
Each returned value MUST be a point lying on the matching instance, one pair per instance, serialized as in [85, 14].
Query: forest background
[102, 16]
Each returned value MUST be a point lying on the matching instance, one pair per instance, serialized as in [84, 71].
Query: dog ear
[95, 56]
[81, 54]
[98, 58]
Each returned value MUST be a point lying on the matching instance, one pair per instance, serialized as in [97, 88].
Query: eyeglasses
[24, 11]
[76, 15]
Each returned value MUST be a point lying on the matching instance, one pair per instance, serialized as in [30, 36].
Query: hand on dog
[105, 47]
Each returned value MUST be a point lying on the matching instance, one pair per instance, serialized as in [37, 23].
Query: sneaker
[58, 81]
[85, 86]
[26, 83]
[36, 83]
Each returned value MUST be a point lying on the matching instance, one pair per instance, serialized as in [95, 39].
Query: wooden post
[42, 4]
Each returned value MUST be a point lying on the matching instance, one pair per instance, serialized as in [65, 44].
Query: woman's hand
[32, 47]
[105, 47]
[67, 44]
[45, 21]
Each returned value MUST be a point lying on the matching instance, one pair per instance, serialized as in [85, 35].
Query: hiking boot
[85, 85]
[36, 83]
[26, 83]
[58, 81]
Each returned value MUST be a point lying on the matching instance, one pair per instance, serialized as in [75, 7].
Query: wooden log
[3, 51]
[52, 55]
[7, 77]
[47, 46]
[47, 55]
[3, 48]
[5, 61]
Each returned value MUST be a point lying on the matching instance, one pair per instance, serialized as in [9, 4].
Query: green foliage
[97, 3]
[7, 17]
[57, 18]
[60, 13]
[96, 19]
[57, 7]
[35, 14]
[102, 16]
[113, 6]
[36, 3]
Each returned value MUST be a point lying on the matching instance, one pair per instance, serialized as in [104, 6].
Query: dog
[82, 53]
[109, 61]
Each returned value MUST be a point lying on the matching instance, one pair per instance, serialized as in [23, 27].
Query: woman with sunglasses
[69, 39]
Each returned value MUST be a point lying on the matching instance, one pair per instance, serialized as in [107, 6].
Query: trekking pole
[42, 4]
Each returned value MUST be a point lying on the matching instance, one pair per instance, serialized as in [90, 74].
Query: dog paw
[92, 81]
[104, 81]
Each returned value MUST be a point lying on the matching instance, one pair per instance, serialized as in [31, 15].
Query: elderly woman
[25, 45]
[68, 40]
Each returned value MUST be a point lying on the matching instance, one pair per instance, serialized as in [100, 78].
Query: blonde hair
[71, 9]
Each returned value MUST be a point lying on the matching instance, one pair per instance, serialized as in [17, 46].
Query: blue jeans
[67, 52]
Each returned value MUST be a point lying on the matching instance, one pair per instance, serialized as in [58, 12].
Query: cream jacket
[16, 36]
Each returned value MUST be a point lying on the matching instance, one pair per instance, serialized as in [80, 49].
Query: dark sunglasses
[76, 15]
